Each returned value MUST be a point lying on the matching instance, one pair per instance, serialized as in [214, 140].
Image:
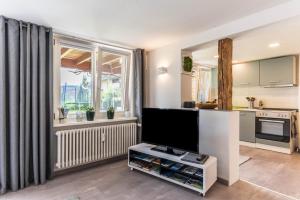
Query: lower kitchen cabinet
[247, 126]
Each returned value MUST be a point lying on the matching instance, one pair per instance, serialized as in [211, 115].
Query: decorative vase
[251, 104]
[110, 114]
[79, 116]
[90, 115]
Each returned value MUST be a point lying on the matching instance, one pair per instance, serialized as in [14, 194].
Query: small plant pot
[90, 115]
[110, 114]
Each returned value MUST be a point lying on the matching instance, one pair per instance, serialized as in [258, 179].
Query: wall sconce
[162, 70]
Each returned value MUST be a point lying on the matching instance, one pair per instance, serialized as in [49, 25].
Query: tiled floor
[276, 171]
[116, 182]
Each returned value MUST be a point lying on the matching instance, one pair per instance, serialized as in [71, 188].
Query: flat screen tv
[171, 128]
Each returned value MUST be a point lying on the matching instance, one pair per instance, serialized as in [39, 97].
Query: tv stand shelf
[197, 177]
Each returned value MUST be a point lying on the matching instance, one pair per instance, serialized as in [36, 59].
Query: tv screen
[176, 128]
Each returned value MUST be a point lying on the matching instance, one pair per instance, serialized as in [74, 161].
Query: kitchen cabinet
[247, 126]
[278, 71]
[246, 74]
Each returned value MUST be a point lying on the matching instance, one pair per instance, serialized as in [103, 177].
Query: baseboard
[266, 147]
[273, 148]
[88, 166]
[247, 144]
[223, 181]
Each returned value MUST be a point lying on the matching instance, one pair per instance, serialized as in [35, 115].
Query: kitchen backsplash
[272, 97]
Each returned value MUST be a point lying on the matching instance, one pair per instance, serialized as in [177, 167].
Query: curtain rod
[25, 24]
[91, 40]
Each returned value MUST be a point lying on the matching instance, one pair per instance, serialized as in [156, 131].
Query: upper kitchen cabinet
[246, 74]
[278, 72]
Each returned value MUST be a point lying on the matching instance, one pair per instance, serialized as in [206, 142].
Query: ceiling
[254, 45]
[138, 23]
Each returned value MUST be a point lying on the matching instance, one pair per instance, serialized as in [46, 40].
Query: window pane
[112, 86]
[75, 79]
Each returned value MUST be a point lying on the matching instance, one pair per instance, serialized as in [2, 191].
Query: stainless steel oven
[273, 129]
[276, 125]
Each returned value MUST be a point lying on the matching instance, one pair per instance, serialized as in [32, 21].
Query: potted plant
[251, 102]
[110, 112]
[90, 114]
[187, 64]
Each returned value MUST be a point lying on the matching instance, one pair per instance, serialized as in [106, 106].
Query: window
[90, 75]
[112, 80]
[75, 79]
[204, 84]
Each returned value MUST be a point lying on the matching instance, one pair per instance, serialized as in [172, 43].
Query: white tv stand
[162, 165]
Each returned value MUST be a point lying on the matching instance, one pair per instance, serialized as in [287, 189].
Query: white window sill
[70, 122]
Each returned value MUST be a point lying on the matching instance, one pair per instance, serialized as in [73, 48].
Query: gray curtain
[25, 103]
[138, 66]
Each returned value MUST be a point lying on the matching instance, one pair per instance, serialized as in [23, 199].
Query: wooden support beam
[64, 52]
[108, 56]
[111, 61]
[114, 68]
[84, 58]
[225, 74]
[71, 64]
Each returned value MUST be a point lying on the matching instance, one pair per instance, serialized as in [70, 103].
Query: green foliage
[76, 106]
[90, 109]
[110, 96]
[76, 97]
[111, 109]
[187, 64]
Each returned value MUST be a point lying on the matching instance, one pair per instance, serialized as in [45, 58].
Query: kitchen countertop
[257, 109]
[246, 109]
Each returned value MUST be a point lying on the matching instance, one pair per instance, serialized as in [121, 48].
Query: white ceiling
[254, 45]
[138, 23]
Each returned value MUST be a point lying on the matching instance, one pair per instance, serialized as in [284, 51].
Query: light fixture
[216, 56]
[162, 70]
[274, 45]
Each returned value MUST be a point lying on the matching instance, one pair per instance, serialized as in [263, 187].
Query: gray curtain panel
[138, 66]
[25, 103]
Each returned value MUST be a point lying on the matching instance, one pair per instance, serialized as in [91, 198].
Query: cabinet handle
[272, 121]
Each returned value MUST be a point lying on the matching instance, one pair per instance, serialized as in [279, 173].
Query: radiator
[82, 146]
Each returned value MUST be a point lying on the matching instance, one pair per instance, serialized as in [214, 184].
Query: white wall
[219, 137]
[271, 97]
[164, 90]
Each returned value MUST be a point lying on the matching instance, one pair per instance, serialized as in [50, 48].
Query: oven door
[273, 129]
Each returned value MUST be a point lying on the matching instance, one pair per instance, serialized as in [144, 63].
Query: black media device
[189, 104]
[173, 130]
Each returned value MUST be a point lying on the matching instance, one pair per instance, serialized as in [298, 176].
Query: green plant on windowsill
[90, 113]
[110, 112]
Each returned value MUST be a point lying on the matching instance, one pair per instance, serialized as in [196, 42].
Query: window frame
[82, 47]
[124, 79]
[96, 50]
